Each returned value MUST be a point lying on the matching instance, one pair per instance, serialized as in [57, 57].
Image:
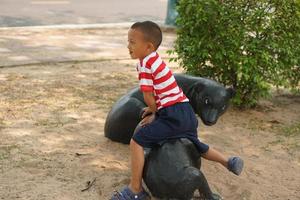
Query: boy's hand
[146, 111]
[148, 119]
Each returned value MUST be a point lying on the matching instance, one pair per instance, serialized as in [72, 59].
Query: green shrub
[247, 44]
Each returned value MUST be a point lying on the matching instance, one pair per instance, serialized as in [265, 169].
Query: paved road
[55, 12]
[28, 45]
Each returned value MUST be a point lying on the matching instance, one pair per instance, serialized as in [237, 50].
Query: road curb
[85, 26]
[71, 61]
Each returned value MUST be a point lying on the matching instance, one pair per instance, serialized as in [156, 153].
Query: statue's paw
[216, 197]
[213, 197]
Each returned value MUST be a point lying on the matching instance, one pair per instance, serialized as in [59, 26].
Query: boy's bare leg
[216, 156]
[137, 165]
[234, 164]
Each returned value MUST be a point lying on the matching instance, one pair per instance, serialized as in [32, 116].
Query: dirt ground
[52, 142]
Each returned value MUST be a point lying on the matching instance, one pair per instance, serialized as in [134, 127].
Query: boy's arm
[150, 102]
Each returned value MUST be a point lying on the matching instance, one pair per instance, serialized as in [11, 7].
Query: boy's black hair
[151, 32]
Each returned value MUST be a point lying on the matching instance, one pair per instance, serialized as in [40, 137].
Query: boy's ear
[151, 46]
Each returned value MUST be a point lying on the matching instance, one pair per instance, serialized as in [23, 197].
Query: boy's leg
[216, 156]
[137, 165]
[134, 190]
[233, 164]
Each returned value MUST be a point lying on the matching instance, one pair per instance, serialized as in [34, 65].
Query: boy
[168, 115]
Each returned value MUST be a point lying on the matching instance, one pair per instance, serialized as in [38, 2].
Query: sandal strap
[127, 194]
[140, 196]
[116, 196]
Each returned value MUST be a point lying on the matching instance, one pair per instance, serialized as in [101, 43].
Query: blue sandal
[235, 165]
[127, 194]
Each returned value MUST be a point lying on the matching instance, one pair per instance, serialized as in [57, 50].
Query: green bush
[247, 44]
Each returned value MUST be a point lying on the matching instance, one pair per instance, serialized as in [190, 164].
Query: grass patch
[56, 121]
[6, 150]
[289, 137]
[291, 131]
[2, 125]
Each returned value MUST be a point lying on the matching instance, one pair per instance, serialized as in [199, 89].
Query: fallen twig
[89, 185]
[81, 154]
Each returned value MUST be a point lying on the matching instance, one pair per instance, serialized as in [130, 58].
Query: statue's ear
[198, 87]
[231, 92]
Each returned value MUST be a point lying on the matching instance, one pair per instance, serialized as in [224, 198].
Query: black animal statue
[208, 98]
[172, 171]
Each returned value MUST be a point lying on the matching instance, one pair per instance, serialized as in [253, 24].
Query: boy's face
[138, 47]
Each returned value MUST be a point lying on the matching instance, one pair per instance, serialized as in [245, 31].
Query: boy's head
[143, 38]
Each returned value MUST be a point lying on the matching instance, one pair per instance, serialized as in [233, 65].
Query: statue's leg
[204, 189]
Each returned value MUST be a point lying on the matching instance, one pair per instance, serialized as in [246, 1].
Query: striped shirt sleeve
[146, 79]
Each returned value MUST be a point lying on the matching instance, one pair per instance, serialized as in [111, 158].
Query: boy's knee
[135, 146]
[133, 143]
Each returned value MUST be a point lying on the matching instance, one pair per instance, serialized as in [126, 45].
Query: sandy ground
[52, 143]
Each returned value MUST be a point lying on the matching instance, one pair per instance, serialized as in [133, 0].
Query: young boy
[168, 115]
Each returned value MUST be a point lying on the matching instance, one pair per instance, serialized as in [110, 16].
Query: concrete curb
[84, 26]
[71, 26]
[71, 61]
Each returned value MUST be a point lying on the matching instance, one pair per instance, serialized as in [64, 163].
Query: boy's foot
[235, 165]
[127, 194]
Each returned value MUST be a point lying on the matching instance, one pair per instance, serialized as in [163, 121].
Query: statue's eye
[206, 101]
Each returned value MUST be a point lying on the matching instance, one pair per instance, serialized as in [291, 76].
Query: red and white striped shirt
[156, 77]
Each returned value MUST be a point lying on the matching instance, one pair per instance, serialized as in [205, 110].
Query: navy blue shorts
[176, 121]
